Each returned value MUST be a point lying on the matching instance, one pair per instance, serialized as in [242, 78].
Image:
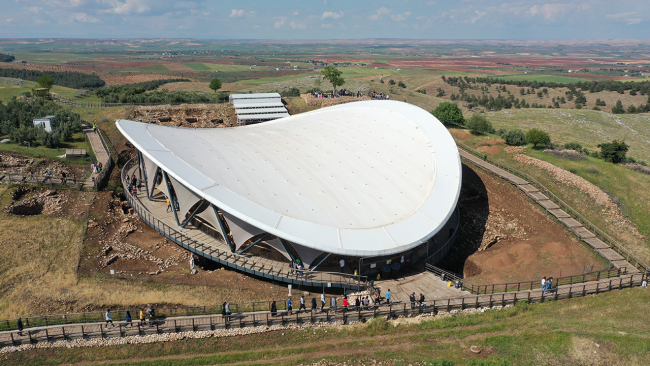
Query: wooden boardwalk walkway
[265, 318]
[101, 155]
[617, 260]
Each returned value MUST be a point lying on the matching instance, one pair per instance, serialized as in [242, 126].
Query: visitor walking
[342, 264]
[302, 304]
[544, 283]
[412, 299]
[289, 307]
[169, 204]
[19, 325]
[109, 320]
[129, 321]
[322, 302]
[334, 303]
[226, 309]
[274, 309]
[313, 304]
[387, 296]
[142, 318]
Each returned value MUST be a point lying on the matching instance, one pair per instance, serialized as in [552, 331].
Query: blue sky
[326, 19]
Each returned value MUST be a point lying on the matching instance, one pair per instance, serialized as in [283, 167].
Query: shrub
[401, 84]
[391, 82]
[449, 113]
[536, 137]
[421, 91]
[573, 146]
[479, 125]
[514, 137]
[614, 151]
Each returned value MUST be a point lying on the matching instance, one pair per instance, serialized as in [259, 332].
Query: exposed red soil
[505, 237]
[490, 149]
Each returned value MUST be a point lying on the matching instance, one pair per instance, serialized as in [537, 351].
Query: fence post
[29, 333]
[503, 300]
[176, 329]
[610, 285]
[404, 309]
[63, 329]
[490, 301]
[631, 283]
[83, 336]
[448, 300]
[528, 299]
[462, 304]
[570, 288]
[13, 342]
[101, 330]
[583, 290]
[47, 335]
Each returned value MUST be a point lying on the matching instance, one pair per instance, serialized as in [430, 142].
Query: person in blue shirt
[387, 296]
[289, 308]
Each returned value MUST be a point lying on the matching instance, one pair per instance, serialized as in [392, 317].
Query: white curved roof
[363, 179]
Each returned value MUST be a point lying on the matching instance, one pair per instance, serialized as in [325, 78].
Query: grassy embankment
[38, 257]
[607, 329]
[588, 128]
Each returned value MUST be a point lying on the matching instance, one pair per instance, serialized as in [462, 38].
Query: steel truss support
[286, 248]
[143, 172]
[224, 232]
[171, 198]
[193, 213]
[254, 244]
[319, 262]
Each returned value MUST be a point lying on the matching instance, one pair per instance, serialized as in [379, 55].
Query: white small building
[44, 122]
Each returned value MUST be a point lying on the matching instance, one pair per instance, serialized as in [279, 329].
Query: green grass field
[606, 329]
[587, 127]
[543, 77]
[197, 66]
[7, 92]
[79, 142]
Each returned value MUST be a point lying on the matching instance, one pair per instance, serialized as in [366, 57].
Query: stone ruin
[187, 115]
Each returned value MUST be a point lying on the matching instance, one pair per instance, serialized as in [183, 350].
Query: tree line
[16, 121]
[145, 93]
[6, 58]
[70, 79]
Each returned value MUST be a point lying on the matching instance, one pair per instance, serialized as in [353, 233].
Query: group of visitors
[419, 301]
[149, 311]
[134, 185]
[360, 303]
[96, 168]
[547, 285]
[380, 95]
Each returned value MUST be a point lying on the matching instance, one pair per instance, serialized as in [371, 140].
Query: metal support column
[171, 198]
[224, 232]
[311, 268]
[144, 174]
[193, 213]
[286, 248]
[254, 244]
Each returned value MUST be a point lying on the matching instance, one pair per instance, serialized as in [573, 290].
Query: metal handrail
[620, 249]
[286, 274]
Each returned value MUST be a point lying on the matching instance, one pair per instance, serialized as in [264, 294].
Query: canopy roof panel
[364, 178]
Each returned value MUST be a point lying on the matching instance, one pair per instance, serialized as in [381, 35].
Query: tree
[449, 113]
[614, 151]
[333, 75]
[215, 84]
[391, 82]
[618, 108]
[479, 125]
[45, 81]
[514, 137]
[401, 84]
[536, 137]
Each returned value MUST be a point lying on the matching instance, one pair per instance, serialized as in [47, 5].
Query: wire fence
[185, 321]
[100, 105]
[616, 246]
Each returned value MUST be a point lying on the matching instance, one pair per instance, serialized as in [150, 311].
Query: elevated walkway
[153, 212]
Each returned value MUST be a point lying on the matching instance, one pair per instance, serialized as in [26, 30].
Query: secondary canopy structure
[258, 107]
[363, 179]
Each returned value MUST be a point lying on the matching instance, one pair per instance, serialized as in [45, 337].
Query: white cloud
[479, 15]
[326, 26]
[281, 21]
[401, 17]
[237, 13]
[297, 25]
[33, 9]
[127, 7]
[332, 14]
[379, 13]
[548, 11]
[84, 18]
[631, 18]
